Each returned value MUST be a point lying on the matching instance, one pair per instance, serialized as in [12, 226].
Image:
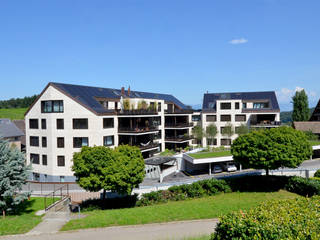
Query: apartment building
[252, 109]
[66, 117]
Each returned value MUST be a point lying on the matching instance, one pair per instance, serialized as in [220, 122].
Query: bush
[109, 203]
[282, 219]
[303, 186]
[317, 173]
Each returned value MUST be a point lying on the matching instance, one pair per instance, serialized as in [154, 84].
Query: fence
[56, 196]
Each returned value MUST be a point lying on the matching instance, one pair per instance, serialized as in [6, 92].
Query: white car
[231, 168]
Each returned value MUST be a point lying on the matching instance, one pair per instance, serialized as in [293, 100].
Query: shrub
[303, 186]
[281, 219]
[317, 173]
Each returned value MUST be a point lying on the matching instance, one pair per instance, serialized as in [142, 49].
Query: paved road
[165, 231]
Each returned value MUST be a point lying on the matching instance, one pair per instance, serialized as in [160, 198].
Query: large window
[34, 141]
[211, 141]
[108, 122]
[60, 142]
[225, 118]
[108, 140]
[33, 123]
[44, 141]
[61, 161]
[237, 105]
[225, 142]
[80, 123]
[240, 118]
[44, 160]
[225, 106]
[60, 124]
[211, 118]
[52, 106]
[79, 142]
[34, 158]
[43, 124]
[261, 105]
[196, 118]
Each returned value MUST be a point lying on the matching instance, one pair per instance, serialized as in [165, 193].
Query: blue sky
[180, 47]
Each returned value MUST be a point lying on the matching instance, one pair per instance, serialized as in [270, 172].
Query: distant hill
[286, 116]
[17, 102]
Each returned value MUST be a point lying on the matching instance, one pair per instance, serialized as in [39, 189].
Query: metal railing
[178, 125]
[179, 138]
[137, 112]
[50, 199]
[137, 129]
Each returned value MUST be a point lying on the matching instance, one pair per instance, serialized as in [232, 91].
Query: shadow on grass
[24, 207]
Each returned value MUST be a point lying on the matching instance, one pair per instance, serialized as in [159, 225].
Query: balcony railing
[137, 112]
[178, 138]
[178, 125]
[149, 146]
[138, 129]
[265, 123]
[179, 111]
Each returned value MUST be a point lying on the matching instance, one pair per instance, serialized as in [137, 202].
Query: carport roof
[158, 160]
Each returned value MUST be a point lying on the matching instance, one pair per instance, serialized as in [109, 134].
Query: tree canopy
[300, 106]
[18, 102]
[118, 170]
[271, 148]
[228, 130]
[13, 174]
[198, 133]
[211, 132]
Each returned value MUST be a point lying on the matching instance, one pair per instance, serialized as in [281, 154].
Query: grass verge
[25, 221]
[13, 113]
[210, 154]
[201, 208]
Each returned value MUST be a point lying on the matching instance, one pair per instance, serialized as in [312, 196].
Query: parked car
[217, 169]
[230, 168]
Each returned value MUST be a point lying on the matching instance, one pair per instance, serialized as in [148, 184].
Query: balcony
[149, 147]
[178, 125]
[179, 111]
[138, 130]
[265, 124]
[137, 112]
[178, 139]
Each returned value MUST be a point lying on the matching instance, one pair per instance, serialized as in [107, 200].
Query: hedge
[317, 173]
[303, 186]
[279, 219]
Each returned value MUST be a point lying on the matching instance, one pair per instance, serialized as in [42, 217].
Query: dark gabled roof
[213, 97]
[87, 96]
[316, 113]
[9, 129]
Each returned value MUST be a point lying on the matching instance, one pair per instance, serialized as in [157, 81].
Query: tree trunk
[104, 195]
[3, 213]
[267, 172]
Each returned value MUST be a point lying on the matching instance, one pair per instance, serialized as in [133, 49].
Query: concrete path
[161, 231]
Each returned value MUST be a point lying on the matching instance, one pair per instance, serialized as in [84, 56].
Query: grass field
[24, 222]
[210, 154]
[13, 113]
[201, 208]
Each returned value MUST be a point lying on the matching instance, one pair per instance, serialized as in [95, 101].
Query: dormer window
[260, 105]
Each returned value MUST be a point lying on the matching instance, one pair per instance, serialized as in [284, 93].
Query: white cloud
[238, 41]
[285, 94]
[299, 89]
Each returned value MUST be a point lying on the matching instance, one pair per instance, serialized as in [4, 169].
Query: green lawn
[24, 222]
[13, 113]
[210, 154]
[314, 143]
[201, 208]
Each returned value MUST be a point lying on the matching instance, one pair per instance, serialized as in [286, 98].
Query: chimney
[122, 91]
[129, 91]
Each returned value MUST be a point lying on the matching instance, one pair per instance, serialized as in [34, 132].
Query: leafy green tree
[211, 132]
[117, 170]
[300, 106]
[13, 174]
[242, 129]
[228, 130]
[198, 133]
[271, 148]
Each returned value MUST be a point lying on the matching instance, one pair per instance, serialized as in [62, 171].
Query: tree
[228, 130]
[13, 174]
[300, 106]
[271, 149]
[198, 133]
[242, 129]
[117, 170]
[211, 132]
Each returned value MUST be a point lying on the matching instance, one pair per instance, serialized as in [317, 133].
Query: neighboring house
[313, 126]
[316, 113]
[254, 109]
[22, 126]
[10, 132]
[66, 117]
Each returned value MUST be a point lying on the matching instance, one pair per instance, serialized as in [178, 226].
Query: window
[60, 161]
[61, 178]
[60, 124]
[79, 142]
[108, 122]
[33, 124]
[244, 105]
[159, 106]
[211, 105]
[240, 118]
[225, 106]
[43, 124]
[36, 176]
[80, 123]
[225, 142]
[211, 118]
[237, 105]
[34, 141]
[34, 158]
[211, 141]
[196, 118]
[60, 142]
[261, 105]
[52, 106]
[225, 118]
[44, 141]
[44, 160]
[108, 141]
